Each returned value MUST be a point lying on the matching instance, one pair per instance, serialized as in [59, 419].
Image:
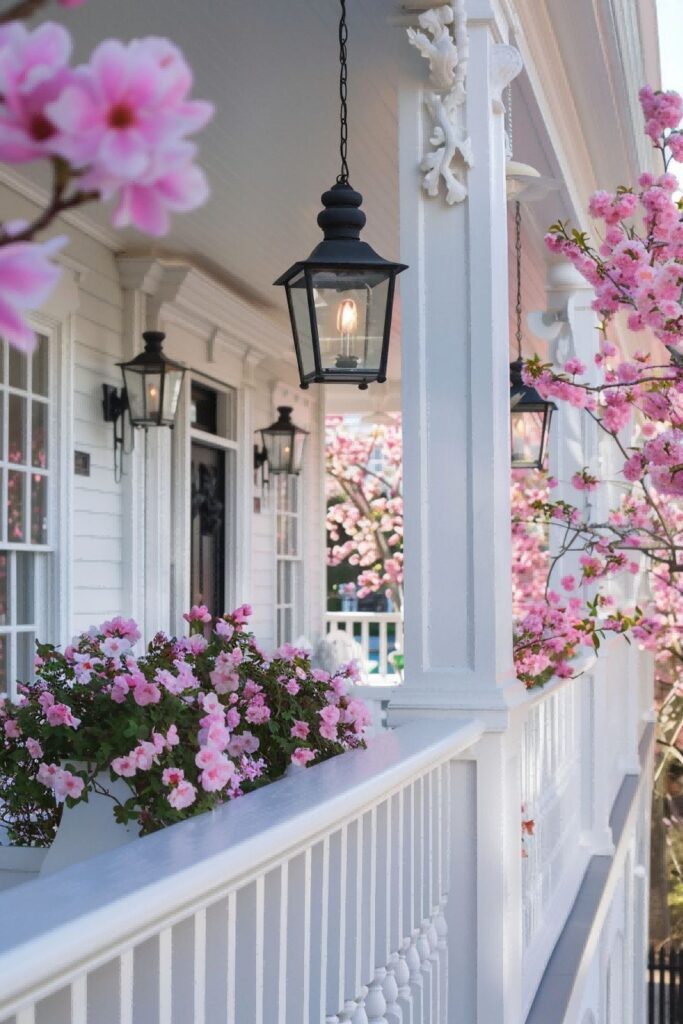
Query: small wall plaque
[81, 463]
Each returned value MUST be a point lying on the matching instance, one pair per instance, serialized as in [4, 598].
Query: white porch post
[575, 444]
[454, 327]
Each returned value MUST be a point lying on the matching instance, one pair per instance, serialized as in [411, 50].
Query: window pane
[26, 575]
[16, 501]
[4, 611]
[4, 681]
[38, 509]
[18, 365]
[17, 429]
[40, 367]
[39, 434]
[293, 534]
[25, 650]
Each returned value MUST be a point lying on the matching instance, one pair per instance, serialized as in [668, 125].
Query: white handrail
[56, 931]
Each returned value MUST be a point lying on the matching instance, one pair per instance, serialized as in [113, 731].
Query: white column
[454, 328]
[147, 471]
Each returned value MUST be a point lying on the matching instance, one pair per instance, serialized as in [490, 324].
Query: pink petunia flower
[302, 756]
[182, 795]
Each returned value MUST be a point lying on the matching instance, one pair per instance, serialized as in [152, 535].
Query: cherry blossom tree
[365, 504]
[113, 129]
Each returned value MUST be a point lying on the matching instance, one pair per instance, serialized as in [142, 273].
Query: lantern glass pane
[526, 438]
[297, 293]
[144, 394]
[299, 442]
[172, 384]
[351, 310]
[279, 448]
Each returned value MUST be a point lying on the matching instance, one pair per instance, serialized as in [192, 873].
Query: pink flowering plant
[189, 724]
[365, 505]
[116, 128]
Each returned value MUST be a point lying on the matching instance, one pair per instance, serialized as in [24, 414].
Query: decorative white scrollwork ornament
[442, 40]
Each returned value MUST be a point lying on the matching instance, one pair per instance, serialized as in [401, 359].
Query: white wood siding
[96, 506]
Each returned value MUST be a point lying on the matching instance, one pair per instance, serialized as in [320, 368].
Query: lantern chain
[518, 256]
[343, 176]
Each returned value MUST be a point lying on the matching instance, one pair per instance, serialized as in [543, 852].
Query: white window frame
[289, 563]
[52, 575]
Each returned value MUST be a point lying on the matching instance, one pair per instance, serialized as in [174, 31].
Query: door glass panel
[208, 519]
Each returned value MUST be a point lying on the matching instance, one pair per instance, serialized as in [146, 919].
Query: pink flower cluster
[117, 127]
[62, 782]
[187, 725]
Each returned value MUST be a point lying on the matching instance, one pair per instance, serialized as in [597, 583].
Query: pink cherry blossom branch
[59, 203]
[22, 10]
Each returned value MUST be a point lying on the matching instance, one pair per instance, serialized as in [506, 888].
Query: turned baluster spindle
[393, 1012]
[375, 1003]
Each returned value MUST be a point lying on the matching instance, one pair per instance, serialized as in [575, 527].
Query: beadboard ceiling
[271, 70]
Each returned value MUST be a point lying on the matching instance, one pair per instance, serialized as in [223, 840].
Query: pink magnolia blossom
[34, 69]
[27, 276]
[125, 108]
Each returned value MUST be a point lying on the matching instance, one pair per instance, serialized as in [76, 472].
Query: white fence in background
[328, 896]
[379, 635]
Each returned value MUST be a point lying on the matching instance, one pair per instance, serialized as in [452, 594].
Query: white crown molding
[180, 293]
[38, 195]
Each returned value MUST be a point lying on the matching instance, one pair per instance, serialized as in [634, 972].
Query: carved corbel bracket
[443, 41]
[506, 64]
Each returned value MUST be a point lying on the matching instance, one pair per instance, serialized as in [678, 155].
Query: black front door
[207, 553]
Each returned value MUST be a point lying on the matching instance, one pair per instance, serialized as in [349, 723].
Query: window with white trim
[24, 484]
[288, 555]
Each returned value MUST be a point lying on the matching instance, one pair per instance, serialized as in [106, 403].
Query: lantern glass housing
[340, 299]
[152, 382]
[530, 417]
[284, 443]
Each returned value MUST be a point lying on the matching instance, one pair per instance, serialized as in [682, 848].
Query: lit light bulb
[347, 325]
[347, 317]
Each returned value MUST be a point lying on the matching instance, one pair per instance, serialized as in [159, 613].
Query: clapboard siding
[98, 509]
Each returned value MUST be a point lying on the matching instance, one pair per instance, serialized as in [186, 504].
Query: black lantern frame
[530, 417]
[341, 298]
[283, 444]
[152, 383]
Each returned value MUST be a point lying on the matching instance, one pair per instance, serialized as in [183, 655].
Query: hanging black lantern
[341, 298]
[530, 414]
[152, 382]
[283, 444]
[530, 417]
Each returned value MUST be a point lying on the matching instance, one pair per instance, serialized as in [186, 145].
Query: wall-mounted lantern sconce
[530, 415]
[282, 445]
[152, 383]
[150, 393]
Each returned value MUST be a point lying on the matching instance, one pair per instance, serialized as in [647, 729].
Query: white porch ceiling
[270, 67]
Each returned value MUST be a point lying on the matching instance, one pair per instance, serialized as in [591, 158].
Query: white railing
[379, 635]
[553, 862]
[325, 897]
